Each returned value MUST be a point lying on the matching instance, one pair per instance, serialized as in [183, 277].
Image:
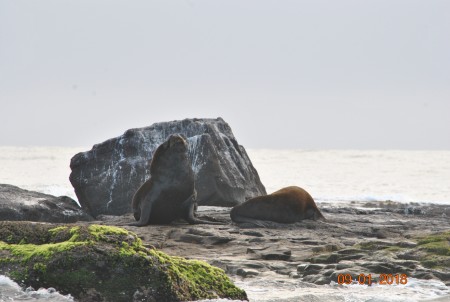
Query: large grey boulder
[17, 204]
[106, 177]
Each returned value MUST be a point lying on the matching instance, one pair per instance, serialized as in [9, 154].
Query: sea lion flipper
[251, 221]
[145, 206]
[139, 197]
[190, 210]
[318, 215]
[189, 207]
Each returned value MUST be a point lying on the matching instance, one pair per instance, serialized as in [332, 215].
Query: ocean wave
[11, 291]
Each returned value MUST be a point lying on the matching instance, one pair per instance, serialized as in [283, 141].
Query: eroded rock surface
[413, 243]
[106, 177]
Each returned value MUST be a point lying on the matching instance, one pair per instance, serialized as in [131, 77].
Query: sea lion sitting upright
[169, 194]
[287, 205]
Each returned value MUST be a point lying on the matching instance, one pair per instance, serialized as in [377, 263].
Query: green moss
[27, 251]
[439, 237]
[325, 258]
[200, 277]
[432, 250]
[40, 267]
[373, 245]
[440, 248]
[109, 260]
[394, 249]
[430, 262]
[57, 230]
[100, 231]
[435, 250]
[77, 278]
[126, 250]
[18, 275]
[436, 243]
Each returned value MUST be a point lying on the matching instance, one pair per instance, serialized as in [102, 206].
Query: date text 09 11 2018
[383, 279]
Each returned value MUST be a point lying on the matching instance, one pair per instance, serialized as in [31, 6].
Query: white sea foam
[11, 291]
[297, 291]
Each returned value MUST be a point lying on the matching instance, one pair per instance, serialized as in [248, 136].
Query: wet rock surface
[17, 204]
[414, 243]
[106, 177]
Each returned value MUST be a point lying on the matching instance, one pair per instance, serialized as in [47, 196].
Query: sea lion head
[174, 142]
[170, 154]
[177, 143]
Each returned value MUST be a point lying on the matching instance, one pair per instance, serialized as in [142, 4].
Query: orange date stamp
[369, 279]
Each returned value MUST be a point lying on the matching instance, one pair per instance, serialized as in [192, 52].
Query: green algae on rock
[103, 263]
[435, 249]
[423, 257]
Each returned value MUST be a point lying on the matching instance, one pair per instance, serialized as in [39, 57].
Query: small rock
[411, 211]
[353, 257]
[325, 248]
[317, 279]
[310, 269]
[247, 272]
[328, 273]
[257, 265]
[348, 251]
[284, 272]
[253, 233]
[388, 267]
[301, 267]
[326, 258]
[444, 276]
[427, 275]
[341, 266]
[256, 240]
[407, 244]
[277, 255]
[312, 242]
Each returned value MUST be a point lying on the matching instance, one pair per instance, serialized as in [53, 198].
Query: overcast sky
[284, 74]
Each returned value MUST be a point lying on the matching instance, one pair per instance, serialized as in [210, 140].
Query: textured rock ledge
[106, 177]
[103, 263]
[359, 238]
[22, 205]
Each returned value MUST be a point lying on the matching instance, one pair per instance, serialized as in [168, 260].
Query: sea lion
[169, 194]
[287, 205]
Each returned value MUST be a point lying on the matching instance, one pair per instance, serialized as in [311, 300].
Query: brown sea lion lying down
[288, 205]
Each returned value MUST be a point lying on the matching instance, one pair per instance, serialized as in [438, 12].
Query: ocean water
[329, 175]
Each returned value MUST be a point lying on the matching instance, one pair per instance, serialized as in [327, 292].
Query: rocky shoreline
[377, 238]
[390, 242]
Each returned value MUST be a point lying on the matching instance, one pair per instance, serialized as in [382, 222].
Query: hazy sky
[283, 74]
